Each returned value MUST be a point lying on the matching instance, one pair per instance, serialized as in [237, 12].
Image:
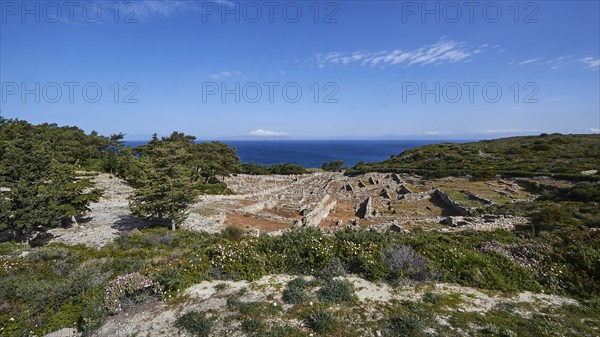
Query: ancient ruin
[330, 201]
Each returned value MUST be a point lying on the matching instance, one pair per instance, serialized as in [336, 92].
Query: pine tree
[164, 188]
[36, 191]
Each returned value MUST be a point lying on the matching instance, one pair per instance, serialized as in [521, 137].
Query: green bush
[165, 237]
[334, 166]
[336, 291]
[243, 259]
[406, 325]
[221, 286]
[322, 321]
[195, 323]
[431, 298]
[233, 233]
[403, 262]
[130, 289]
[93, 314]
[334, 268]
[295, 291]
[171, 279]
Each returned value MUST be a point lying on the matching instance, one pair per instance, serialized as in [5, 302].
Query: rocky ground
[157, 319]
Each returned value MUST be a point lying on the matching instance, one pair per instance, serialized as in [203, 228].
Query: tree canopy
[171, 172]
[334, 166]
[39, 188]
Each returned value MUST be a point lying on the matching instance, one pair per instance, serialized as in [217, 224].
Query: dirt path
[107, 219]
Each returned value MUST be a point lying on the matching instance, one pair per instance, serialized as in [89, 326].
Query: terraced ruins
[374, 200]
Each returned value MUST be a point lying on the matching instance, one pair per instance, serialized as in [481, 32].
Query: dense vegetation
[170, 173]
[40, 188]
[560, 156]
[57, 285]
[334, 166]
[286, 168]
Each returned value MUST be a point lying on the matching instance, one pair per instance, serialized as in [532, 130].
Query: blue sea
[313, 153]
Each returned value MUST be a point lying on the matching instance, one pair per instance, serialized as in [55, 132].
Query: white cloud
[443, 51]
[438, 133]
[529, 61]
[591, 62]
[225, 74]
[593, 130]
[266, 133]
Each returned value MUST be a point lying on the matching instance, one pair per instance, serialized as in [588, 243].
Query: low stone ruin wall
[451, 202]
[478, 198]
[320, 212]
[365, 209]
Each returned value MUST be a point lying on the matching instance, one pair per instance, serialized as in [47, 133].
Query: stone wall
[365, 209]
[412, 197]
[257, 207]
[320, 212]
[478, 198]
[451, 202]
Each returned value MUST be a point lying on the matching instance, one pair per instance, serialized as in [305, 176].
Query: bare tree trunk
[173, 227]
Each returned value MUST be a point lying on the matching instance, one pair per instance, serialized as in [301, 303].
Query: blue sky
[365, 69]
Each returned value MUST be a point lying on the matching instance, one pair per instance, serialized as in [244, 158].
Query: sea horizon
[313, 153]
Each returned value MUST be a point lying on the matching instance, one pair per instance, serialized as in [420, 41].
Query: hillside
[560, 156]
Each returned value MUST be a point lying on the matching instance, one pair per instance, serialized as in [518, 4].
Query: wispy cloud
[146, 9]
[559, 62]
[266, 133]
[592, 63]
[522, 63]
[225, 74]
[443, 51]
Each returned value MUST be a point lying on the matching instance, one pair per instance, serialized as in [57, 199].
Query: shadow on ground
[129, 222]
